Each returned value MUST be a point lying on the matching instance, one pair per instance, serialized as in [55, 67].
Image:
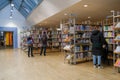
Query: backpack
[44, 39]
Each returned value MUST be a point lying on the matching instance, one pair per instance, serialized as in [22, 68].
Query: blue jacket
[29, 42]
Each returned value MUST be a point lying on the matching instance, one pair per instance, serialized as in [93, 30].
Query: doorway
[11, 34]
[6, 39]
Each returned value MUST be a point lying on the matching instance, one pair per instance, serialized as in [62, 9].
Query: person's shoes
[32, 56]
[40, 54]
[100, 67]
[95, 66]
[28, 55]
[44, 54]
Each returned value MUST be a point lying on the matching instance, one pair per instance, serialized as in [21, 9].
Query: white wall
[49, 8]
[17, 21]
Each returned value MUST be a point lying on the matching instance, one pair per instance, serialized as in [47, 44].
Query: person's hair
[95, 28]
[44, 32]
[29, 38]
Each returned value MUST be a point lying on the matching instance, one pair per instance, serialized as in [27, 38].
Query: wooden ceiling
[97, 10]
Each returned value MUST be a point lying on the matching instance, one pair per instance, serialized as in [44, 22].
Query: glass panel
[27, 6]
[3, 4]
[22, 11]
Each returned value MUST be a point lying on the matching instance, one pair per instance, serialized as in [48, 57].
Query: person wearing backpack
[44, 43]
[98, 42]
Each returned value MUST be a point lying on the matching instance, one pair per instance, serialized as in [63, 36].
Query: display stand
[68, 39]
[24, 36]
[77, 37]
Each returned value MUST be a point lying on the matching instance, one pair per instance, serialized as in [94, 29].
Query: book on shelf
[108, 28]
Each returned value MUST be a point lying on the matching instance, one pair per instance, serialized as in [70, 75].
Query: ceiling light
[11, 10]
[85, 5]
[12, 5]
[10, 17]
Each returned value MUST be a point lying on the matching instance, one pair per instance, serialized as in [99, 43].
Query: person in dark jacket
[44, 43]
[30, 46]
[98, 42]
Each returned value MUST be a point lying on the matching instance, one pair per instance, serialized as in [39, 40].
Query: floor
[15, 65]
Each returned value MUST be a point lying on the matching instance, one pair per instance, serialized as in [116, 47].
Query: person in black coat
[98, 42]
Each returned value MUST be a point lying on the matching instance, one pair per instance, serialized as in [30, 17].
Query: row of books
[108, 28]
[83, 55]
[108, 34]
[82, 48]
[84, 35]
[82, 27]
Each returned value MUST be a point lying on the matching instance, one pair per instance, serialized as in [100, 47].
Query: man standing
[44, 43]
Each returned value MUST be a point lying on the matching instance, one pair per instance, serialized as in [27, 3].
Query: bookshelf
[56, 40]
[117, 46]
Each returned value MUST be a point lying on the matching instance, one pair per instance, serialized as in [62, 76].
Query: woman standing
[98, 42]
[30, 46]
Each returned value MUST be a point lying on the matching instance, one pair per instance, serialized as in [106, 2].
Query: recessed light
[85, 5]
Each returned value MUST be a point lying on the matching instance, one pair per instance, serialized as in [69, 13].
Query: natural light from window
[11, 24]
